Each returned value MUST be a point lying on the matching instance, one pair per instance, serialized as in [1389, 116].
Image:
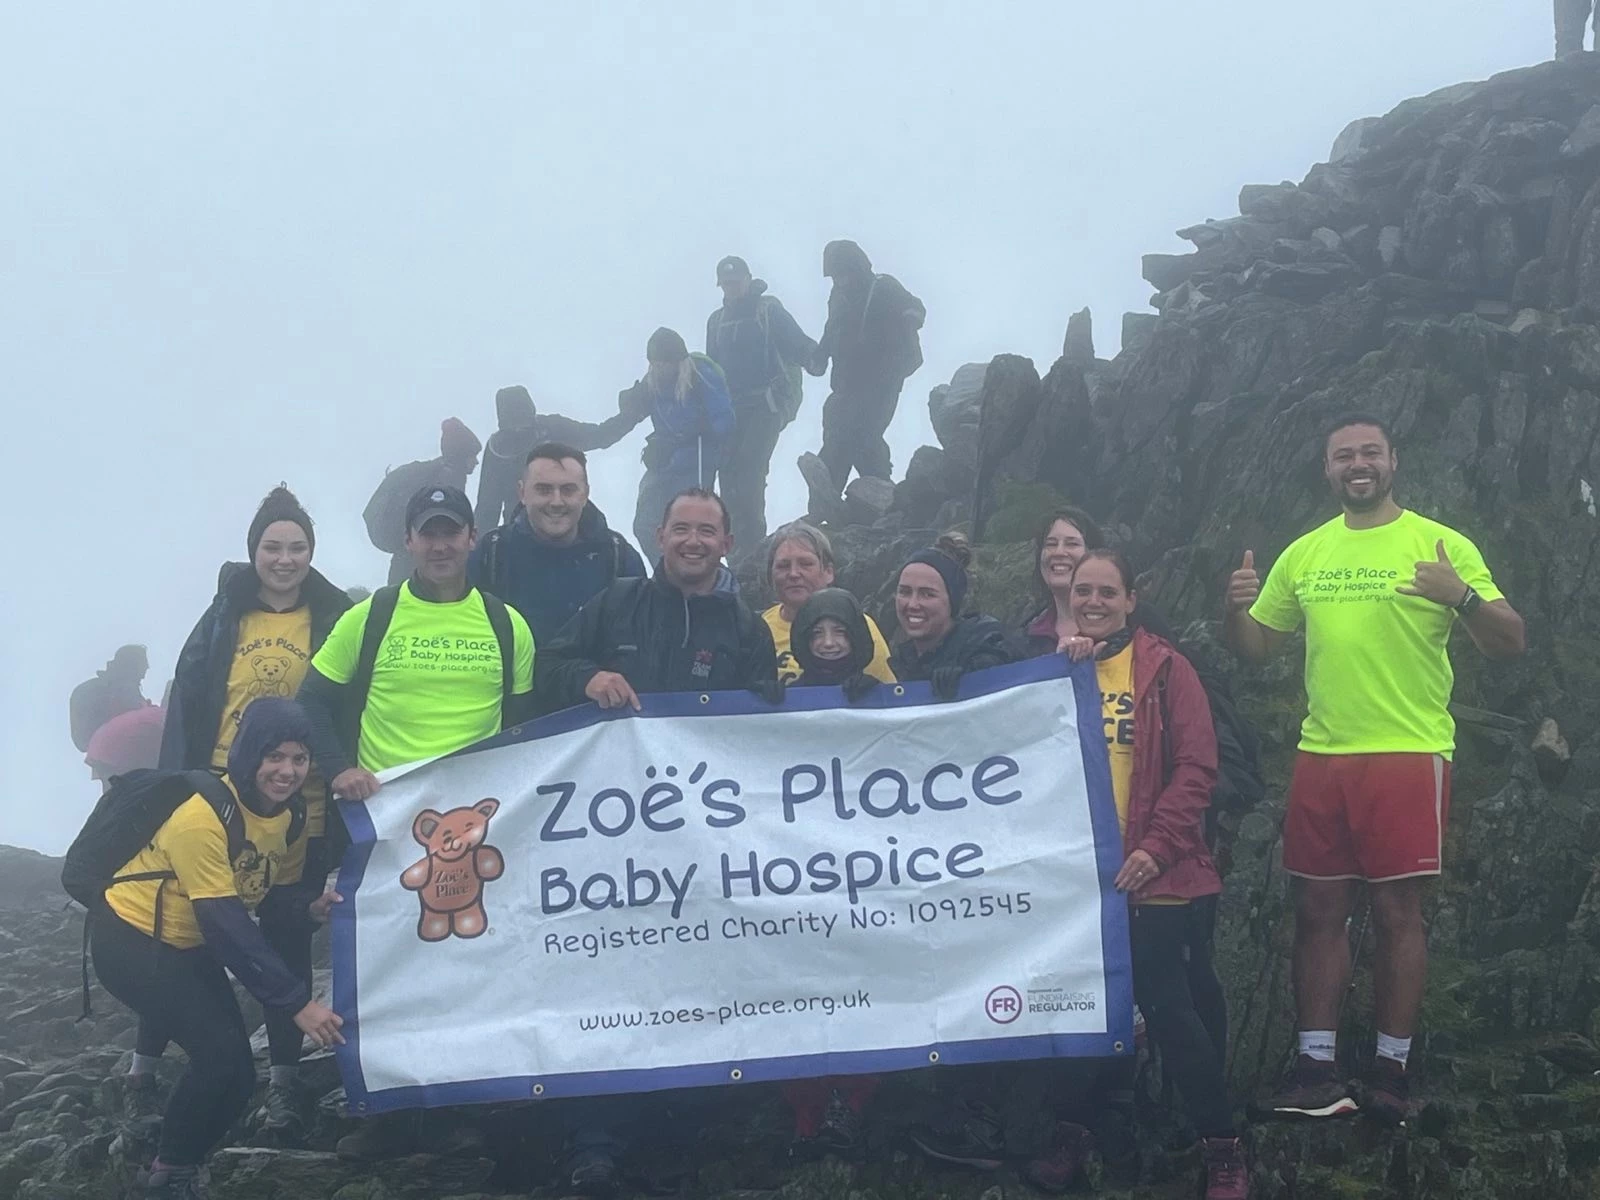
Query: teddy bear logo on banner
[449, 881]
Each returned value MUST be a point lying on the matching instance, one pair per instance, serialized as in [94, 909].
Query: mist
[245, 244]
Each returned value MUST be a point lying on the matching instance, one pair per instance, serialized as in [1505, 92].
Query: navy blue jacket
[546, 583]
[755, 340]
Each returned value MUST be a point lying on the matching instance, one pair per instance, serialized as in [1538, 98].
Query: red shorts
[1377, 817]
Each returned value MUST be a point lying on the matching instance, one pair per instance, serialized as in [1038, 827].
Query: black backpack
[127, 818]
[1240, 786]
[379, 617]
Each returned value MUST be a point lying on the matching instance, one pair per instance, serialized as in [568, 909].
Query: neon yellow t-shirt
[194, 846]
[436, 684]
[1378, 674]
[1116, 700]
[789, 669]
[270, 657]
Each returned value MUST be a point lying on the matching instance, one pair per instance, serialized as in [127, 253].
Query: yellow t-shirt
[194, 846]
[1378, 674]
[789, 669]
[1116, 701]
[436, 684]
[270, 659]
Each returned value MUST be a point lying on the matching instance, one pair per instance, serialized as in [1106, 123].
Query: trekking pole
[1355, 959]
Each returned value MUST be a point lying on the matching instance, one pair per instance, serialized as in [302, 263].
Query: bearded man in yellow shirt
[1378, 589]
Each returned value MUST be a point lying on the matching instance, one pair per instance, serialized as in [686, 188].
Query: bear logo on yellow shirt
[270, 671]
[449, 881]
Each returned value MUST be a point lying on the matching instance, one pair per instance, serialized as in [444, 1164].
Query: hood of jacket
[845, 259]
[513, 408]
[267, 723]
[844, 608]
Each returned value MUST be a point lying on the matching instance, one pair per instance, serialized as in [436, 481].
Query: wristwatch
[1469, 604]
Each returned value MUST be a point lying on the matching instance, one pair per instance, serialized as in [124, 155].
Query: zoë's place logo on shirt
[1344, 584]
[449, 882]
[703, 660]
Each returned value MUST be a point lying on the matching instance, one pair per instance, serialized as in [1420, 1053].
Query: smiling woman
[941, 644]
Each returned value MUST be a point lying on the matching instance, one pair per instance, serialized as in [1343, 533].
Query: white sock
[144, 1064]
[1318, 1044]
[281, 1076]
[1393, 1048]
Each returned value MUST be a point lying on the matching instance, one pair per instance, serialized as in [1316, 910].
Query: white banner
[718, 891]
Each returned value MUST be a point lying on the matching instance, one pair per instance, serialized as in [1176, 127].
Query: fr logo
[1003, 1004]
[449, 881]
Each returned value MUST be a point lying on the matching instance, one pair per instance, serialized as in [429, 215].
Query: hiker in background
[1572, 21]
[871, 337]
[165, 943]
[686, 398]
[271, 614]
[385, 514]
[116, 688]
[940, 643]
[761, 350]
[521, 428]
[557, 550]
[799, 563]
[127, 742]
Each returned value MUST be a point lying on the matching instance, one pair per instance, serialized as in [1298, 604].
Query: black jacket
[871, 333]
[548, 584]
[975, 642]
[659, 640]
[755, 340]
[200, 683]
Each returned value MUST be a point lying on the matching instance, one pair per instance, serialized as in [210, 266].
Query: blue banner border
[1118, 1040]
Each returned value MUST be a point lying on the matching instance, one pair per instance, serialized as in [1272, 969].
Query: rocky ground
[1442, 270]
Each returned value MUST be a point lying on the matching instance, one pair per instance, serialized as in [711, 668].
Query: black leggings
[186, 993]
[1184, 1020]
[288, 929]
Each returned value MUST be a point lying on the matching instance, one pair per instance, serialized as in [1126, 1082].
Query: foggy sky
[249, 243]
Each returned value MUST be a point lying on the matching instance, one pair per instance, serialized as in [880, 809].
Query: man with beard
[1378, 589]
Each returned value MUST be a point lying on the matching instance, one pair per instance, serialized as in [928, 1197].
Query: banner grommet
[933, 1056]
[736, 1074]
[705, 698]
[1118, 1047]
[538, 1089]
[899, 689]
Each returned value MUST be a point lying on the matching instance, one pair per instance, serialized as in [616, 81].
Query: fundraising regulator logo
[1003, 1004]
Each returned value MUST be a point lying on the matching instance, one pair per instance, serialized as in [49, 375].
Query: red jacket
[1174, 770]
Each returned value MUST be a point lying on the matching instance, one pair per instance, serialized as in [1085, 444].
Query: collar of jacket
[239, 589]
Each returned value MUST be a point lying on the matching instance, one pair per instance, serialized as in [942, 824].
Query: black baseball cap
[731, 268]
[437, 501]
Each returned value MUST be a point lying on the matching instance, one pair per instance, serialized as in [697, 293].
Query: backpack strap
[379, 616]
[506, 635]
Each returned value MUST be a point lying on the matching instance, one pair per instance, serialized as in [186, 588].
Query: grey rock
[1585, 137]
[867, 499]
[953, 408]
[1351, 140]
[1390, 239]
[1078, 348]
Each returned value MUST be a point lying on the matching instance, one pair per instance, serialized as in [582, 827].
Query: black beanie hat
[844, 608]
[280, 505]
[266, 724]
[666, 346]
[952, 572]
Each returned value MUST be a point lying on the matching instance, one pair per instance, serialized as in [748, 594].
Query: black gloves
[946, 682]
[770, 690]
[858, 686]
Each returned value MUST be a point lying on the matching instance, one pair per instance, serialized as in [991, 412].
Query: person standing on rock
[761, 349]
[1378, 589]
[871, 338]
[1163, 754]
[799, 564]
[256, 638]
[1572, 20]
[521, 428]
[941, 644]
[168, 935]
[385, 514]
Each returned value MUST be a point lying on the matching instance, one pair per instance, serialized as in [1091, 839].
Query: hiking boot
[171, 1183]
[1061, 1166]
[282, 1121]
[1313, 1089]
[141, 1098]
[377, 1137]
[823, 501]
[593, 1172]
[965, 1135]
[1227, 1172]
[1386, 1096]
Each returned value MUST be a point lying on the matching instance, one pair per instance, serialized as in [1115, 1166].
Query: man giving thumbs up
[1378, 589]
